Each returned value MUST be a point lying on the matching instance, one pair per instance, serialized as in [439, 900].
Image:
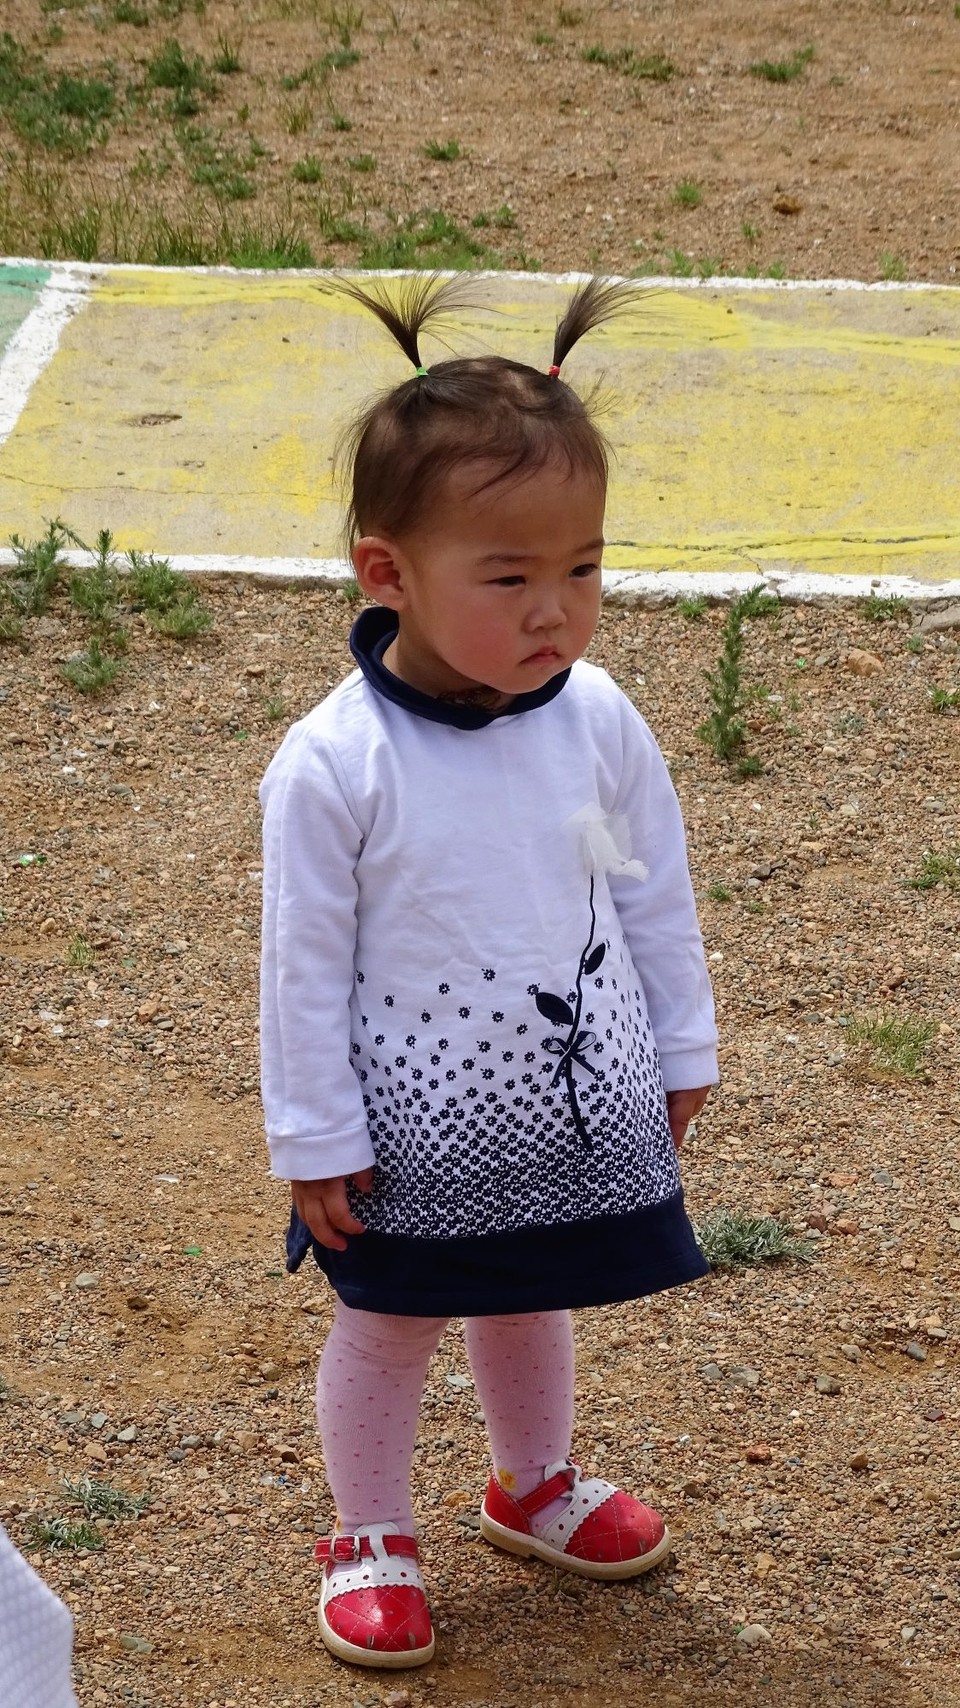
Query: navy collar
[370, 636]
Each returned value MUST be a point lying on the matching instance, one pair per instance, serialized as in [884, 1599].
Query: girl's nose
[547, 613]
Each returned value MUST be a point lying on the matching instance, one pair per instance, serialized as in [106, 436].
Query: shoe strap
[341, 1550]
[555, 1487]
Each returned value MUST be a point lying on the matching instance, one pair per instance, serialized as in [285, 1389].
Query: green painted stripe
[19, 289]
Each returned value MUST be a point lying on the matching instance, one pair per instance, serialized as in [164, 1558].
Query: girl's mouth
[544, 656]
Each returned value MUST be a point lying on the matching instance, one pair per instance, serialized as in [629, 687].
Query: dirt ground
[141, 1271]
[634, 136]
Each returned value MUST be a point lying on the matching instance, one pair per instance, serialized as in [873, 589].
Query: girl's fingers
[338, 1210]
[364, 1180]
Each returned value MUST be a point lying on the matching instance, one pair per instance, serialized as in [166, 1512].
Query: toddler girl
[486, 1018]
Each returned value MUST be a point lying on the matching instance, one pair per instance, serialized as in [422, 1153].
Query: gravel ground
[796, 1424]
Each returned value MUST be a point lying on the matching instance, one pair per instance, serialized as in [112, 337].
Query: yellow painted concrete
[805, 429]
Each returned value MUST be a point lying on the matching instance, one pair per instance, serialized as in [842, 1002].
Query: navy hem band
[370, 636]
[566, 1266]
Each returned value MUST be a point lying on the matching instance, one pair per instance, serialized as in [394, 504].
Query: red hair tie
[554, 373]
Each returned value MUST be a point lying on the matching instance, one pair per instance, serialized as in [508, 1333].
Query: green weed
[339, 121]
[680, 265]
[944, 699]
[80, 954]
[724, 730]
[937, 869]
[731, 1239]
[720, 892]
[688, 193]
[692, 606]
[653, 66]
[892, 266]
[226, 60]
[449, 150]
[170, 69]
[58, 1534]
[351, 591]
[543, 38]
[90, 671]
[431, 240]
[882, 608]
[309, 170]
[362, 163]
[127, 12]
[183, 621]
[893, 1045]
[749, 231]
[783, 70]
[37, 571]
[274, 707]
[65, 112]
[568, 17]
[96, 591]
[297, 116]
[102, 1500]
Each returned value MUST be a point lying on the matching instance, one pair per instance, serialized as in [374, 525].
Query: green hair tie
[422, 373]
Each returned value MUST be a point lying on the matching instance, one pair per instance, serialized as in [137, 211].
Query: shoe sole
[392, 1659]
[609, 1570]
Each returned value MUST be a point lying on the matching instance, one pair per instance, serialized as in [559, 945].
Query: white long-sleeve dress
[481, 969]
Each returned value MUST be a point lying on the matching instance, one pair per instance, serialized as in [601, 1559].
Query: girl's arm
[659, 915]
[315, 1119]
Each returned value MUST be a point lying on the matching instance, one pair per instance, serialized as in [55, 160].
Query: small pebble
[828, 1385]
[915, 1350]
[751, 1635]
[89, 1278]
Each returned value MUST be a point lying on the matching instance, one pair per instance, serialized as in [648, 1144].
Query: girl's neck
[409, 665]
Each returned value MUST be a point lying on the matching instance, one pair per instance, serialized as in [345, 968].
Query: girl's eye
[585, 569]
[509, 581]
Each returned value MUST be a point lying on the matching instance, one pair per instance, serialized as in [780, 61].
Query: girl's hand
[322, 1204]
[684, 1107]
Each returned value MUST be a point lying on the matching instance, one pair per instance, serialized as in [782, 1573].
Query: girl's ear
[379, 567]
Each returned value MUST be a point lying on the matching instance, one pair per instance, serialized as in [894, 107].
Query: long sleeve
[315, 1119]
[659, 915]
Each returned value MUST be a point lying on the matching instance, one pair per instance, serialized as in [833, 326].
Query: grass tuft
[945, 699]
[59, 1534]
[937, 869]
[692, 607]
[654, 67]
[449, 150]
[782, 70]
[688, 193]
[102, 1500]
[731, 1239]
[894, 1045]
[883, 607]
[724, 730]
[80, 954]
[90, 671]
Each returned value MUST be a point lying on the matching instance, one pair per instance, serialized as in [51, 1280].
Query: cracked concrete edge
[623, 587]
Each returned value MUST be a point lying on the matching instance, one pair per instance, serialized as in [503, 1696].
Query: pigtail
[405, 306]
[592, 303]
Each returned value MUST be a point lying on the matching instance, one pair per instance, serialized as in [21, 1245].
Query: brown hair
[478, 409]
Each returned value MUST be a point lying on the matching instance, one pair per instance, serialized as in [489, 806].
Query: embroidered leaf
[554, 1008]
[593, 961]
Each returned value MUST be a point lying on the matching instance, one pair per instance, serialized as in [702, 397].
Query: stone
[759, 1455]
[712, 1373]
[135, 1645]
[913, 1349]
[828, 1385]
[97, 1419]
[908, 1261]
[818, 1220]
[861, 663]
[744, 1377]
[397, 1699]
[852, 1351]
[94, 1451]
[751, 1635]
[128, 1434]
[860, 1461]
[89, 1278]
[948, 618]
[137, 1303]
[269, 1369]
[846, 1225]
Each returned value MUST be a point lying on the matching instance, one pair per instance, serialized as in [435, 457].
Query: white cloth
[480, 951]
[36, 1637]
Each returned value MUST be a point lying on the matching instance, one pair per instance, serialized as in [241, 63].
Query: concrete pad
[801, 428]
[19, 290]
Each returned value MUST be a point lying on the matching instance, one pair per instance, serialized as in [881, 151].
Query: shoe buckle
[338, 1550]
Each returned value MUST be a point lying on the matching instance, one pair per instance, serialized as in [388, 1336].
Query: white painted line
[34, 343]
[720, 281]
[620, 586]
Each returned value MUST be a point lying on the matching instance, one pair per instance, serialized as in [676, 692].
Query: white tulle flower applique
[605, 843]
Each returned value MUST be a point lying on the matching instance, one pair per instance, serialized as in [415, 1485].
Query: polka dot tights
[369, 1387]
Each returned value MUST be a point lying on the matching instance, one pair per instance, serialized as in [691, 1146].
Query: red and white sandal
[375, 1613]
[600, 1533]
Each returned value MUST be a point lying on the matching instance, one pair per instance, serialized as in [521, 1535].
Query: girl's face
[500, 590]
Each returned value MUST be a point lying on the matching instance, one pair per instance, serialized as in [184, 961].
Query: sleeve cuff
[315, 1158]
[683, 1070]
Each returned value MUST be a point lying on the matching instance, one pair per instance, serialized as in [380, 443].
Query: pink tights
[369, 1386]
